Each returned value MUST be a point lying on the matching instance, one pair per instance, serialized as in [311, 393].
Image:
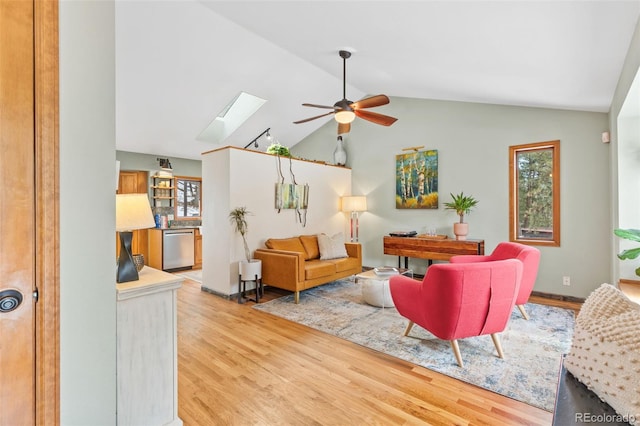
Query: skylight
[236, 112]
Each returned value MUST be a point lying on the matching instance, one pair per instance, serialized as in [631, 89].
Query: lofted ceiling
[179, 63]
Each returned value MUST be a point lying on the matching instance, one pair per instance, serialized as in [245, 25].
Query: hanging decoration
[289, 195]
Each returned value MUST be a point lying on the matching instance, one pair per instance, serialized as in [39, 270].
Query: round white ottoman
[376, 292]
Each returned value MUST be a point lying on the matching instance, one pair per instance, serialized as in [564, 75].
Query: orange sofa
[295, 263]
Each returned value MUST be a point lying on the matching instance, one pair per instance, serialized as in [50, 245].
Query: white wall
[87, 214]
[473, 143]
[233, 178]
[624, 121]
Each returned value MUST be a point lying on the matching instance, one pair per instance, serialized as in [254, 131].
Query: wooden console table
[430, 248]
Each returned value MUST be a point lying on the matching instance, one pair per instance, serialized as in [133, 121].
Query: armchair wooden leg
[296, 297]
[496, 342]
[408, 329]
[523, 312]
[456, 352]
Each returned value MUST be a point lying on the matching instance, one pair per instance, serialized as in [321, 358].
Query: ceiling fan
[345, 111]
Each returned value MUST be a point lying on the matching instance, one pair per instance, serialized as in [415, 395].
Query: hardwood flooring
[240, 366]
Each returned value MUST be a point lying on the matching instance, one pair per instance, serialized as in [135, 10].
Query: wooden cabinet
[134, 182]
[155, 248]
[147, 349]
[162, 190]
[197, 250]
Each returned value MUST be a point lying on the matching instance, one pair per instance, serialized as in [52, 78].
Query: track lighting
[255, 141]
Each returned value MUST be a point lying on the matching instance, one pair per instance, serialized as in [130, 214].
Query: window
[534, 193]
[188, 197]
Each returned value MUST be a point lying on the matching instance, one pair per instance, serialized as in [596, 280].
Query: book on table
[386, 271]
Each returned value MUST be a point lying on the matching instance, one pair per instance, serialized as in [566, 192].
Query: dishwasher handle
[181, 232]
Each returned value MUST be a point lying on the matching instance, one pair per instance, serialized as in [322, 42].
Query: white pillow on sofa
[332, 247]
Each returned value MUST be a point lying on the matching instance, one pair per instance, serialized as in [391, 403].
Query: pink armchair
[530, 258]
[456, 301]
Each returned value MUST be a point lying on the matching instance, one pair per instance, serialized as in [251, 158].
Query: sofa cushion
[287, 244]
[605, 352]
[310, 244]
[332, 247]
[345, 263]
[317, 269]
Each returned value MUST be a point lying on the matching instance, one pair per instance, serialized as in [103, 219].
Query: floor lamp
[354, 204]
[132, 212]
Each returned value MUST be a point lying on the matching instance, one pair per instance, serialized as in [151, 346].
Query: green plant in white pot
[249, 269]
[462, 204]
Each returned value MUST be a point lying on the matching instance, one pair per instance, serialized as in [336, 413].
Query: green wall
[137, 161]
[473, 142]
[87, 214]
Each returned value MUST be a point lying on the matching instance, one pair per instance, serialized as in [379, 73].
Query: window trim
[514, 150]
[175, 197]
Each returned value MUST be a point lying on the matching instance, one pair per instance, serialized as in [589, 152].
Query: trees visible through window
[534, 193]
[188, 197]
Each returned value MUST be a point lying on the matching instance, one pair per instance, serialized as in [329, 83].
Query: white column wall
[233, 177]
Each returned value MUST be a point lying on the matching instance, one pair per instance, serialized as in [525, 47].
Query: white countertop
[151, 281]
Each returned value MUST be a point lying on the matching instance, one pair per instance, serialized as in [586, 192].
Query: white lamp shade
[133, 211]
[354, 203]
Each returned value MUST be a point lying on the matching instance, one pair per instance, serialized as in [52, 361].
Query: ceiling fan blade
[319, 106]
[374, 117]
[344, 128]
[371, 102]
[312, 118]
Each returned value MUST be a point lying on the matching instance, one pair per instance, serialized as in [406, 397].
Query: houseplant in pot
[249, 269]
[462, 204]
[632, 253]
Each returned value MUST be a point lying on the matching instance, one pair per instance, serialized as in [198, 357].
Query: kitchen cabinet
[197, 250]
[162, 191]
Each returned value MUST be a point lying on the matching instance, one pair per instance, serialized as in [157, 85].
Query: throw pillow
[332, 247]
[310, 243]
[605, 352]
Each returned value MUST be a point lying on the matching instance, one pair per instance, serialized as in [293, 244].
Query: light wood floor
[240, 366]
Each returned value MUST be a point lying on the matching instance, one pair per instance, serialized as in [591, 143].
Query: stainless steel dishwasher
[177, 248]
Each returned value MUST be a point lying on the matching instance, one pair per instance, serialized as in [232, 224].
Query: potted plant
[249, 269]
[462, 204]
[632, 235]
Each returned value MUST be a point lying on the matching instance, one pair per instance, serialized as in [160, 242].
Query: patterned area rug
[533, 349]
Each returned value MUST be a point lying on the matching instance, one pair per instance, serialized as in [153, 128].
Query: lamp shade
[345, 117]
[133, 212]
[354, 203]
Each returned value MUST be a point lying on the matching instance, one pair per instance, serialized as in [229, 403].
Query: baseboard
[559, 297]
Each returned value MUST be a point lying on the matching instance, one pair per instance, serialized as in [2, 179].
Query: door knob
[9, 300]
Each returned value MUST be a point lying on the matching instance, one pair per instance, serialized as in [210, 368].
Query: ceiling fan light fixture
[345, 117]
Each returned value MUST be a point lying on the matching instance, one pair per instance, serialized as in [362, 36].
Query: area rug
[533, 349]
[193, 274]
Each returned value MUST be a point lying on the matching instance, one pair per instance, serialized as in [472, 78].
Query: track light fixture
[255, 141]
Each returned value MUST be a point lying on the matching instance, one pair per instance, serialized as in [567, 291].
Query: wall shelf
[163, 193]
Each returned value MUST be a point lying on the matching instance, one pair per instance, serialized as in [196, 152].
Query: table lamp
[354, 204]
[132, 212]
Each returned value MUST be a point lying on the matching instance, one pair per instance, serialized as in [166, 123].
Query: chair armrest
[469, 258]
[281, 266]
[405, 291]
[354, 250]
